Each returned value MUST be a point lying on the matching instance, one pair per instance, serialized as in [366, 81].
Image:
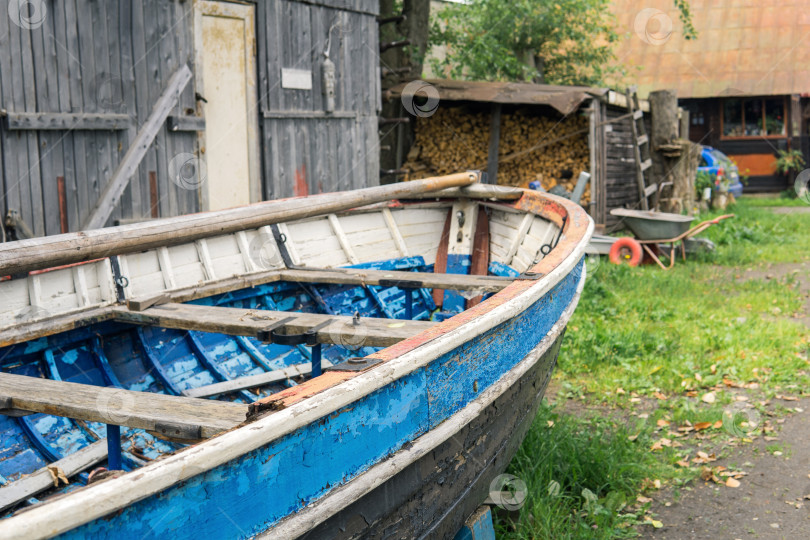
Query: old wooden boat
[341, 365]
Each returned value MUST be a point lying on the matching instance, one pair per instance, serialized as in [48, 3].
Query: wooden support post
[494, 144]
[63, 216]
[114, 462]
[154, 200]
[137, 150]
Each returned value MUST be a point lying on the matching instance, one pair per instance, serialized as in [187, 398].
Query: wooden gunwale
[325, 397]
[62, 249]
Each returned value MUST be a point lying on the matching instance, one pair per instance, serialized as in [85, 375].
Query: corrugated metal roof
[744, 47]
[565, 99]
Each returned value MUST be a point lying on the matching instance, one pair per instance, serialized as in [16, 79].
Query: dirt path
[770, 502]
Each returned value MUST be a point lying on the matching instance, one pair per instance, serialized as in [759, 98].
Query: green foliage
[703, 180]
[685, 15]
[790, 160]
[560, 42]
[497, 40]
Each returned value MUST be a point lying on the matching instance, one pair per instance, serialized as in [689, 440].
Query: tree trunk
[674, 160]
[396, 139]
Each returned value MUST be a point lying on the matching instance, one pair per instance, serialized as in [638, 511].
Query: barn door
[225, 65]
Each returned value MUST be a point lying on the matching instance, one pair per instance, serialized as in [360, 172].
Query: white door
[225, 68]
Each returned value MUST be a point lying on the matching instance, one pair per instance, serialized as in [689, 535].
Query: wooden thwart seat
[41, 479]
[341, 330]
[252, 381]
[357, 276]
[174, 417]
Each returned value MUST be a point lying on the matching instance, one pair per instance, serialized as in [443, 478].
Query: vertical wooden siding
[110, 57]
[621, 189]
[306, 149]
[103, 57]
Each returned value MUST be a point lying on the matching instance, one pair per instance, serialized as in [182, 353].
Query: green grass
[583, 476]
[774, 200]
[645, 330]
[664, 339]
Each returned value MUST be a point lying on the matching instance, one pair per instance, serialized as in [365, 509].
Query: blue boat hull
[433, 497]
[252, 494]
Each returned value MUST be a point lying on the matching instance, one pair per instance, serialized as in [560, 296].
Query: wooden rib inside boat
[337, 365]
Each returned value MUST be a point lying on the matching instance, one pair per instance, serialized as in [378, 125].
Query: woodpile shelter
[522, 132]
[119, 111]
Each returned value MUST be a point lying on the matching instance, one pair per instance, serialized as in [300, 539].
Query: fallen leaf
[633, 437]
[713, 369]
[708, 397]
[659, 395]
[718, 424]
[706, 474]
[787, 398]
[698, 377]
[550, 423]
[732, 483]
[662, 423]
[703, 425]
[654, 522]
[682, 463]
[643, 500]
[620, 390]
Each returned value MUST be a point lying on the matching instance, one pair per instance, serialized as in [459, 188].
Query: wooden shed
[597, 118]
[118, 111]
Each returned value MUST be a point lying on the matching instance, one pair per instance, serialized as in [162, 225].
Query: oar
[48, 252]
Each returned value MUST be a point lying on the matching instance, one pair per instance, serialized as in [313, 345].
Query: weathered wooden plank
[140, 106]
[171, 416]
[356, 276]
[286, 115]
[42, 479]
[34, 254]
[18, 149]
[66, 121]
[249, 322]
[50, 161]
[11, 192]
[136, 152]
[77, 93]
[252, 381]
[185, 123]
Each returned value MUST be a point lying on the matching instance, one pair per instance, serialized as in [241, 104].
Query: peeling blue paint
[295, 470]
[267, 484]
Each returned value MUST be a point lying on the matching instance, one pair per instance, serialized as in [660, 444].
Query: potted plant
[789, 163]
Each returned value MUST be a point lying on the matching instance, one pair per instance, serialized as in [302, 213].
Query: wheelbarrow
[652, 228]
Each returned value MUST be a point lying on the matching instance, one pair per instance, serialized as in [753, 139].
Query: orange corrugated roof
[744, 47]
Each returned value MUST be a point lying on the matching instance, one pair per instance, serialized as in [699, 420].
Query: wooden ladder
[641, 147]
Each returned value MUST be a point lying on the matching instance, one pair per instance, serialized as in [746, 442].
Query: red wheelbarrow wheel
[626, 250]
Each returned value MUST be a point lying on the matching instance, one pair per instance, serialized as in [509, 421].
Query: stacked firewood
[551, 150]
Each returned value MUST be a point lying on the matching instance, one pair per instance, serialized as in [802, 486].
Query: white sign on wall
[296, 79]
